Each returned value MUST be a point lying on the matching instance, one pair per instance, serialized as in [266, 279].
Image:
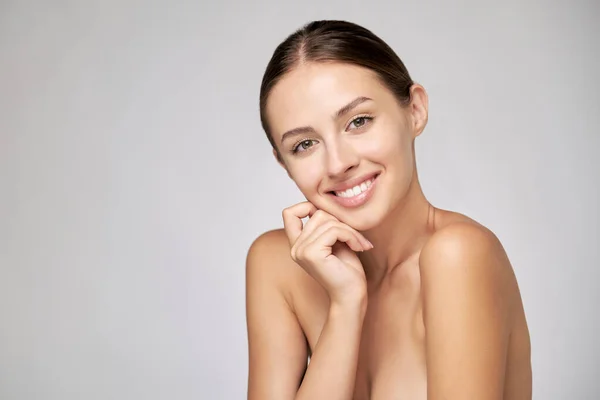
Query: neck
[400, 236]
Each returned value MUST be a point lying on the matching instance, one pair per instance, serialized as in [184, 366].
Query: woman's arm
[277, 346]
[466, 280]
[332, 370]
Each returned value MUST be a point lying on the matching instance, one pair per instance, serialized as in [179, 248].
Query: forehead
[314, 91]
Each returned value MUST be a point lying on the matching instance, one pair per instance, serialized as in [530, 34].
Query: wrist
[349, 305]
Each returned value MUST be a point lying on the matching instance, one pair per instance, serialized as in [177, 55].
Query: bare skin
[391, 299]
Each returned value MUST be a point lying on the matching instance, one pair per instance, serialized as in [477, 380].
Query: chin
[362, 218]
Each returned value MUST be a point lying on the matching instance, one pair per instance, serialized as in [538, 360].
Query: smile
[356, 195]
[356, 190]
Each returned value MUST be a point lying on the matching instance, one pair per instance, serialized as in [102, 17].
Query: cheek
[307, 176]
[387, 146]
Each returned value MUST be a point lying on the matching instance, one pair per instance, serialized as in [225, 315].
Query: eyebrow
[341, 112]
[348, 107]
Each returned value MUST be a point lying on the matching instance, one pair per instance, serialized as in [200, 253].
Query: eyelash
[295, 147]
[368, 119]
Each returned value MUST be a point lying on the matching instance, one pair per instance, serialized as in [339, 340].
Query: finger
[321, 238]
[342, 234]
[318, 219]
[292, 219]
[366, 245]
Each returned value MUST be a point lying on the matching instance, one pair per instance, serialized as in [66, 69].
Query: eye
[303, 145]
[359, 122]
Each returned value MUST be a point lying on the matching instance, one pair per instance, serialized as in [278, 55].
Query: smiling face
[345, 139]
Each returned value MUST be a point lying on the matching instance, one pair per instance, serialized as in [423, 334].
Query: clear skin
[391, 299]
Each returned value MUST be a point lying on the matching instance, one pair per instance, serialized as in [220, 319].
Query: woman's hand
[325, 248]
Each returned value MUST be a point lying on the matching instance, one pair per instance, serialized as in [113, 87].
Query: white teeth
[356, 190]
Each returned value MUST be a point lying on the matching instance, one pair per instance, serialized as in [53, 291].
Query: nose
[341, 158]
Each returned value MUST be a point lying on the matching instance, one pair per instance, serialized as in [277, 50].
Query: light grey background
[134, 176]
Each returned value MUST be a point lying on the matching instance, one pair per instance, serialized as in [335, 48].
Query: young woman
[389, 296]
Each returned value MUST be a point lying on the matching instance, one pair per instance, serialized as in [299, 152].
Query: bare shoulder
[462, 238]
[268, 261]
[464, 253]
[457, 238]
[271, 247]
[472, 313]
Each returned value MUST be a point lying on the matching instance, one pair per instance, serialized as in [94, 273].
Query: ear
[280, 162]
[419, 108]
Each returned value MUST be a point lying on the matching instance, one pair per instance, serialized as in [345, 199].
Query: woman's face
[345, 140]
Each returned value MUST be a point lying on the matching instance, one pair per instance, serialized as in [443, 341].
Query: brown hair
[335, 41]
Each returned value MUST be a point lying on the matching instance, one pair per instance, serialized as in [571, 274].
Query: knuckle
[319, 214]
[298, 253]
[293, 252]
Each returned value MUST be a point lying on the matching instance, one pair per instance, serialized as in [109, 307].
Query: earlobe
[419, 108]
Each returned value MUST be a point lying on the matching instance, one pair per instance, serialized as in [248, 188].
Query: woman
[390, 297]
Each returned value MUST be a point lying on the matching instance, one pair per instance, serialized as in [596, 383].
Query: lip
[359, 200]
[353, 182]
